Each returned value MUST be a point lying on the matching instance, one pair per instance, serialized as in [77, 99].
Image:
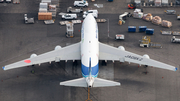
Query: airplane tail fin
[81, 82]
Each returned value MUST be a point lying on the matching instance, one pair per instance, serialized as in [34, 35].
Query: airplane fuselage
[89, 48]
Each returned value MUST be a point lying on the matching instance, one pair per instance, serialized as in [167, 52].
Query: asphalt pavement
[19, 40]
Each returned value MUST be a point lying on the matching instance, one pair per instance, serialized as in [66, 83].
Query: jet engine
[146, 56]
[57, 47]
[121, 48]
[33, 55]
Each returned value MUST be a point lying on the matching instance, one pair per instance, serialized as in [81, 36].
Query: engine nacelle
[33, 55]
[121, 48]
[57, 47]
[146, 56]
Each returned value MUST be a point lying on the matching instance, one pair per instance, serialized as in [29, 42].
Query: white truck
[69, 16]
[93, 12]
[73, 10]
[80, 3]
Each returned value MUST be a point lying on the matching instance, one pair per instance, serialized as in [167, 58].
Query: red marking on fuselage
[27, 61]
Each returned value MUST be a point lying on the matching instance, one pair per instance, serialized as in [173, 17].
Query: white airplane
[89, 51]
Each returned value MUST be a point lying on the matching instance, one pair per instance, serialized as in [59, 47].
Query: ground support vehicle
[28, 20]
[80, 3]
[69, 16]
[145, 41]
[73, 10]
[174, 39]
[47, 22]
[178, 16]
[119, 37]
[63, 22]
[70, 30]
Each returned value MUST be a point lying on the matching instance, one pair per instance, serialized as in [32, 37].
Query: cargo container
[149, 31]
[43, 5]
[45, 16]
[131, 28]
[142, 28]
[157, 2]
[52, 8]
[165, 2]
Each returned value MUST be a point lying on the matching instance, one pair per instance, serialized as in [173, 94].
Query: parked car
[80, 3]
[69, 16]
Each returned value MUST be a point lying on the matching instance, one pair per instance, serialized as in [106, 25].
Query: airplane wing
[71, 52]
[107, 52]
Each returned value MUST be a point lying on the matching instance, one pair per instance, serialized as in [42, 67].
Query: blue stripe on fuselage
[85, 70]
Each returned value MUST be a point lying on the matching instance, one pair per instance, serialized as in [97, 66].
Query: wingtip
[176, 69]
[3, 68]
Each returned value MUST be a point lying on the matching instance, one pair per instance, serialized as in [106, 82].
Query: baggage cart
[76, 21]
[170, 11]
[176, 33]
[16, 1]
[155, 45]
[166, 32]
[47, 22]
[64, 22]
[100, 20]
[131, 28]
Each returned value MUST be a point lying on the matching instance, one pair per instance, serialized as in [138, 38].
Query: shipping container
[52, 8]
[157, 2]
[45, 16]
[164, 2]
[131, 28]
[149, 31]
[142, 28]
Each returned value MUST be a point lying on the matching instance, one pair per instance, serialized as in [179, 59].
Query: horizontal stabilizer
[81, 82]
[104, 83]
